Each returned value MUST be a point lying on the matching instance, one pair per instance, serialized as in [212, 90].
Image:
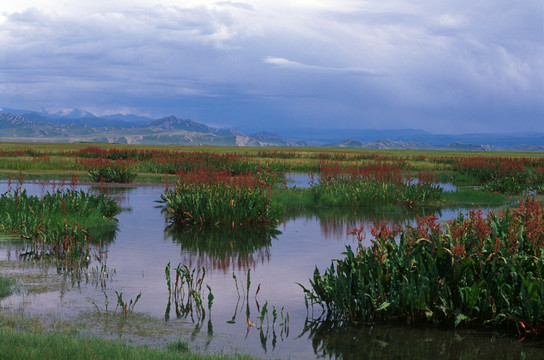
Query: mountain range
[81, 126]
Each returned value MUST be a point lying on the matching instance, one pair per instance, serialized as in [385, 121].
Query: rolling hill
[81, 126]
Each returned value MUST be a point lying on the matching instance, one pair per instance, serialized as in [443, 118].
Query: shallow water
[143, 246]
[303, 181]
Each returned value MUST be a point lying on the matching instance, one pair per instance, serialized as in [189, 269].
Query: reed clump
[107, 171]
[205, 197]
[378, 184]
[62, 223]
[475, 270]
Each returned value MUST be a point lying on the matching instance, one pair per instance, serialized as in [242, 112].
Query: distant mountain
[80, 117]
[381, 144]
[79, 125]
[335, 137]
[269, 139]
[73, 114]
[128, 118]
[168, 130]
[9, 121]
[330, 136]
[173, 123]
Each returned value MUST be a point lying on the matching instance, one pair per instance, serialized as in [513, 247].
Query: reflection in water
[335, 223]
[331, 340]
[120, 194]
[224, 248]
[138, 249]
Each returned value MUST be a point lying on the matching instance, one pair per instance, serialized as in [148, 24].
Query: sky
[441, 66]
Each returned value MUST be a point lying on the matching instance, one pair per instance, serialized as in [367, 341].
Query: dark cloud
[425, 64]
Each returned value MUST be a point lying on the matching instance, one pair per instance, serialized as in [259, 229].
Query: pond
[134, 263]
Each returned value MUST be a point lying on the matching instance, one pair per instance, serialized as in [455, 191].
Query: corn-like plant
[187, 293]
[474, 270]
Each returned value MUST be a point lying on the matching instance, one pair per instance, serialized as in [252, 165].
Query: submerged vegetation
[474, 270]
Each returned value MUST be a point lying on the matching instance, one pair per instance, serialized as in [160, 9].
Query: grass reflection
[224, 248]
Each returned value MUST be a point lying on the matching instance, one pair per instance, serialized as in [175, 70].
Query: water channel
[276, 263]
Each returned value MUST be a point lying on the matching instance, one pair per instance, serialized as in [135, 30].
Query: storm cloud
[439, 66]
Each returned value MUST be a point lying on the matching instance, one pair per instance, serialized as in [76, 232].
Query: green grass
[29, 338]
[474, 197]
[60, 346]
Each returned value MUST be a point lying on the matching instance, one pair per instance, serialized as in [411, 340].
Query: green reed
[218, 204]
[354, 192]
[113, 173]
[62, 223]
[474, 270]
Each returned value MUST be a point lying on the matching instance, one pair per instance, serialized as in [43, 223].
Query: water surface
[276, 263]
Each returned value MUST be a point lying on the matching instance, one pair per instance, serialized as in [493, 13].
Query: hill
[78, 125]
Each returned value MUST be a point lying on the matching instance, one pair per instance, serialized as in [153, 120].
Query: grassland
[40, 345]
[61, 160]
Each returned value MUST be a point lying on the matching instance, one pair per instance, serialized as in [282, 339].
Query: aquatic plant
[62, 224]
[112, 172]
[266, 327]
[503, 174]
[203, 198]
[101, 274]
[127, 307]
[474, 270]
[187, 293]
[375, 185]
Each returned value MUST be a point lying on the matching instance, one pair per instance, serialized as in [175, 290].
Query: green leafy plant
[474, 270]
[127, 307]
[187, 293]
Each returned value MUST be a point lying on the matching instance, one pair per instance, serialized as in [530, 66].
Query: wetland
[233, 289]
